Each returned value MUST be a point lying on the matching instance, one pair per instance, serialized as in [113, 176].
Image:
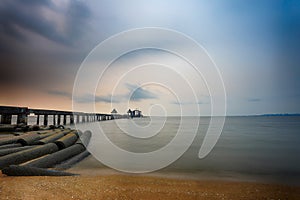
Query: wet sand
[137, 187]
[103, 183]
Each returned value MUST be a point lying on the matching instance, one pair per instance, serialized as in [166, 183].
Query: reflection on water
[260, 148]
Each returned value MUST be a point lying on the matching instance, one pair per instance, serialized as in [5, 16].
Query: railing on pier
[22, 113]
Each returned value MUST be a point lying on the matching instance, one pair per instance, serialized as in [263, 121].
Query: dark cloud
[253, 99]
[17, 15]
[188, 103]
[60, 93]
[35, 2]
[39, 43]
[107, 99]
[86, 98]
[135, 93]
[202, 102]
[77, 15]
[139, 93]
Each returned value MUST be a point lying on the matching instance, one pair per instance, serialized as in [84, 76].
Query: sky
[255, 45]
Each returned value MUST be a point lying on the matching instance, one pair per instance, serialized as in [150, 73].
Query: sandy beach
[137, 187]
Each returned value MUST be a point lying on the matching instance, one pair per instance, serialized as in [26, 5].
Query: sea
[250, 148]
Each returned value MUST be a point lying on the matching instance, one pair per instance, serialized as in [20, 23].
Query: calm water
[263, 149]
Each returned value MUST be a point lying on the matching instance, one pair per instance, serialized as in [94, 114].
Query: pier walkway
[59, 117]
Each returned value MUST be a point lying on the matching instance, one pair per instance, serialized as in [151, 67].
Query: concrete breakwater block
[15, 170]
[39, 151]
[6, 151]
[66, 140]
[26, 155]
[62, 155]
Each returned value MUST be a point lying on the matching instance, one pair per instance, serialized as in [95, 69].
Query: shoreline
[138, 187]
[184, 176]
[92, 167]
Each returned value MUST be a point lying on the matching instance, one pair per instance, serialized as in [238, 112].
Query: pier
[59, 117]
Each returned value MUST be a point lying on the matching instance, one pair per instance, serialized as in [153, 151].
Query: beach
[250, 161]
[137, 187]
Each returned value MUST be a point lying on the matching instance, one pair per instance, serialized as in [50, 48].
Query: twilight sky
[255, 45]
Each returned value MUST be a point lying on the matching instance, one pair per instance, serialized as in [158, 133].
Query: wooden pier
[59, 117]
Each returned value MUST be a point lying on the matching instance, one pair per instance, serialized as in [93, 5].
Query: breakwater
[43, 152]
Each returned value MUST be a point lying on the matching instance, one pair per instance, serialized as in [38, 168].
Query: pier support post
[65, 120]
[77, 118]
[45, 120]
[71, 119]
[58, 119]
[83, 118]
[54, 120]
[38, 120]
[6, 119]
